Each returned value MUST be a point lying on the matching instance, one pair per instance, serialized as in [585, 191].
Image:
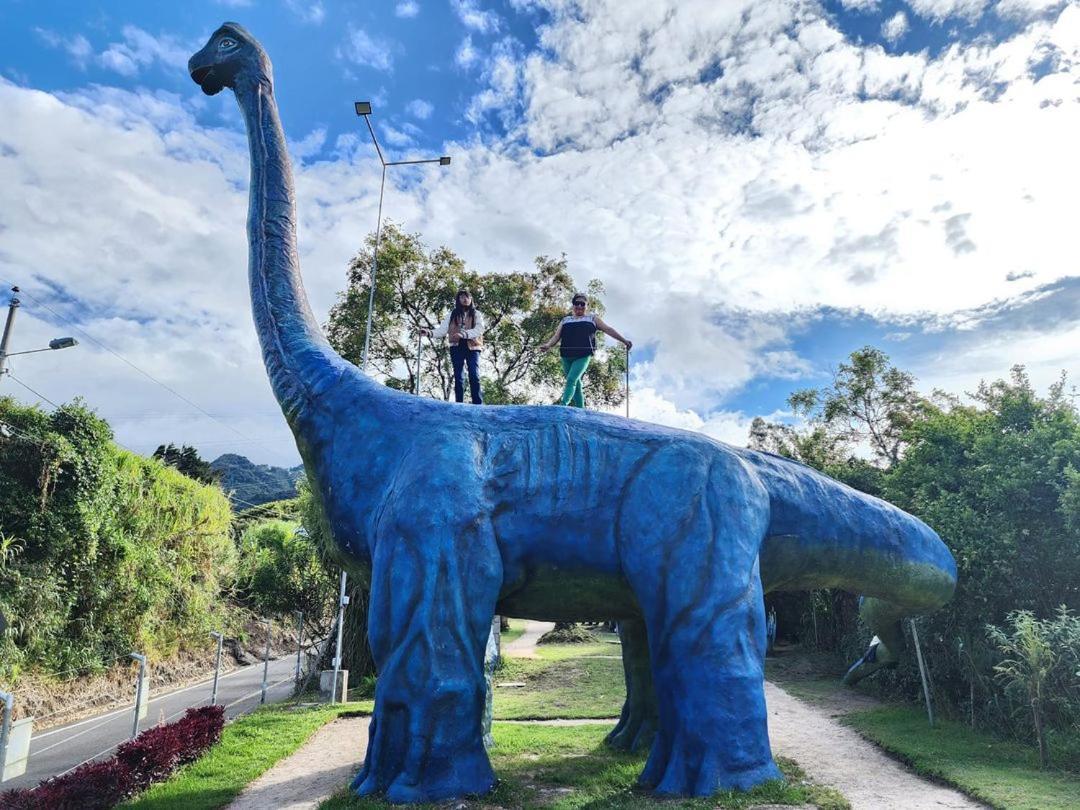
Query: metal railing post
[343, 600]
[266, 663]
[217, 666]
[138, 694]
[299, 642]
[922, 674]
[5, 728]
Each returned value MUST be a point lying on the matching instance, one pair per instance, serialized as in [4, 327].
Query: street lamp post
[363, 110]
[13, 306]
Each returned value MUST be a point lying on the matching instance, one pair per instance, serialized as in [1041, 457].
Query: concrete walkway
[319, 768]
[834, 755]
[830, 753]
[524, 646]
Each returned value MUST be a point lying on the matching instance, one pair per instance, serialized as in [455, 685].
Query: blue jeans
[460, 356]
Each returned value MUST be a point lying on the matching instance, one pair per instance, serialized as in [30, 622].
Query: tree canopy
[415, 288]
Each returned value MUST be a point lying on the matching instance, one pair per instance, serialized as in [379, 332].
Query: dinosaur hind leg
[690, 529]
[637, 724]
[887, 646]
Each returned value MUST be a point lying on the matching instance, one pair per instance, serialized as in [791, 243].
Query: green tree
[188, 461]
[415, 289]
[281, 570]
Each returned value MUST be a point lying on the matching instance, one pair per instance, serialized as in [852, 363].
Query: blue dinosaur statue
[451, 513]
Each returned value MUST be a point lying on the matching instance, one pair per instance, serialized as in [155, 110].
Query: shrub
[281, 571]
[106, 551]
[149, 758]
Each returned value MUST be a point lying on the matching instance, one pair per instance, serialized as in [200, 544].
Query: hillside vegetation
[101, 551]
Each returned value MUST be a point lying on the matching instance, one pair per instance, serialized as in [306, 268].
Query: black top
[578, 337]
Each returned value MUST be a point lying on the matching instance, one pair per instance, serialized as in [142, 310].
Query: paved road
[61, 749]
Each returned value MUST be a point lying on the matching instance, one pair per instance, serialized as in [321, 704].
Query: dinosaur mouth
[205, 78]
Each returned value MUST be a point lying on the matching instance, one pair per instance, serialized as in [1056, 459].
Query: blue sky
[763, 187]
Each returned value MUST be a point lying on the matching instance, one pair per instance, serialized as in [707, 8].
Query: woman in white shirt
[464, 327]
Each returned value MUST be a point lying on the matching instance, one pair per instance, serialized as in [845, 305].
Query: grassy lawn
[517, 627]
[567, 767]
[566, 681]
[249, 746]
[1002, 774]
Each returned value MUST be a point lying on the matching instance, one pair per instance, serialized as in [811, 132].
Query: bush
[104, 551]
[1040, 667]
[281, 571]
[150, 757]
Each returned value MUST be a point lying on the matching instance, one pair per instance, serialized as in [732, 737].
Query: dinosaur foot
[687, 769]
[634, 732]
[407, 774]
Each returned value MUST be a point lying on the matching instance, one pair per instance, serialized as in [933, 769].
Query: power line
[31, 390]
[146, 374]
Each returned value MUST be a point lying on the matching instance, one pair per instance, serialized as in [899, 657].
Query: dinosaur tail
[824, 534]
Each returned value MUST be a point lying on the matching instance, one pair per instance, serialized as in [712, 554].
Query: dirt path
[830, 753]
[524, 646]
[834, 755]
[319, 768]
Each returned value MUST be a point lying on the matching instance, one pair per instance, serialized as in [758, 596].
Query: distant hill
[251, 484]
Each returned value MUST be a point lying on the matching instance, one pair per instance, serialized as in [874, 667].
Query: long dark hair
[459, 312]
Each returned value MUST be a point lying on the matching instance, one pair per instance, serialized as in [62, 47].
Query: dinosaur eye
[226, 43]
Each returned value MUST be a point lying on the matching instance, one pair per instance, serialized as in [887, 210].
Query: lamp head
[444, 160]
[362, 107]
[63, 343]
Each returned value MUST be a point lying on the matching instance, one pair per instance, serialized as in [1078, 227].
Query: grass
[1002, 774]
[249, 746]
[566, 681]
[565, 767]
[517, 628]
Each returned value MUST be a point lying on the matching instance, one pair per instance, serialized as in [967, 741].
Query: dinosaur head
[231, 53]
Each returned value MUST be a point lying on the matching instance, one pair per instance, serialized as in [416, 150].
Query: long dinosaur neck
[299, 361]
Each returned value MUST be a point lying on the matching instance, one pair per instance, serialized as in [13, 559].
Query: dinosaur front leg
[691, 533]
[637, 724]
[432, 601]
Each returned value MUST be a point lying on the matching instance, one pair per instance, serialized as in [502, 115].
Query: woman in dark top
[577, 338]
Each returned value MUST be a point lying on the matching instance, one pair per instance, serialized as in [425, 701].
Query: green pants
[574, 369]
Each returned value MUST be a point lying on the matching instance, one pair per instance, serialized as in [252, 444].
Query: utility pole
[14, 305]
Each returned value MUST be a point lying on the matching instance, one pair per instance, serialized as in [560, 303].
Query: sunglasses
[579, 303]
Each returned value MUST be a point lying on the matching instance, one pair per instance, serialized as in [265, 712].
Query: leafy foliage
[281, 570]
[415, 288]
[188, 461]
[150, 757]
[1040, 667]
[104, 551]
[998, 480]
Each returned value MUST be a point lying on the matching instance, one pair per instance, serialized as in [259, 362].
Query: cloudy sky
[763, 185]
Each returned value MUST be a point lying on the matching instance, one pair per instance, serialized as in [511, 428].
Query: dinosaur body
[451, 512]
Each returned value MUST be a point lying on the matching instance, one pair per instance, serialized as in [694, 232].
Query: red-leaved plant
[149, 758]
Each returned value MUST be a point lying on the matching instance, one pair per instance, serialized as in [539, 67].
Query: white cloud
[307, 11]
[724, 169]
[475, 18]
[77, 47]
[466, 55]
[895, 27]
[419, 108]
[140, 50]
[394, 136]
[407, 8]
[940, 10]
[362, 49]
